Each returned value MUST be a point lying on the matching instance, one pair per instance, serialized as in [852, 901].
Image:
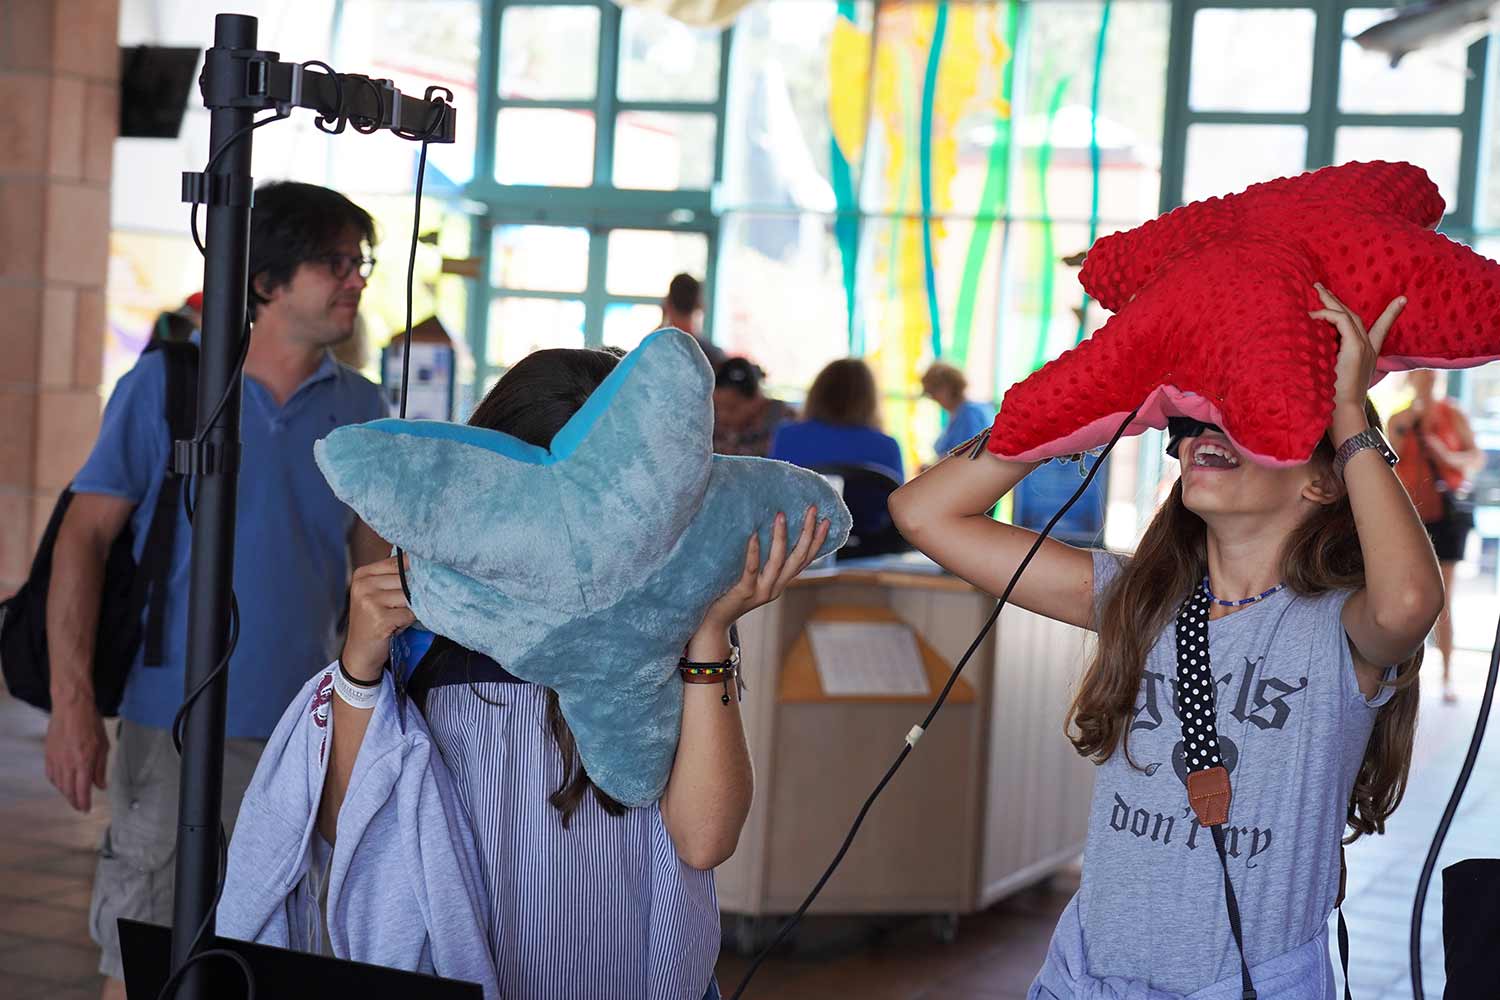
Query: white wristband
[353, 695]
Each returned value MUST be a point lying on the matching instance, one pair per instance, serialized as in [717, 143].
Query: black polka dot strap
[1195, 685]
[1207, 777]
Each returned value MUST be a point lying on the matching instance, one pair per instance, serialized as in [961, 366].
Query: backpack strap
[149, 594]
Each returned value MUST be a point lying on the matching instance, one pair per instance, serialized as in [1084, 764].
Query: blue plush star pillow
[585, 566]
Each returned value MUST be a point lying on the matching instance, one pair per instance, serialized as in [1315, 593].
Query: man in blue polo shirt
[294, 542]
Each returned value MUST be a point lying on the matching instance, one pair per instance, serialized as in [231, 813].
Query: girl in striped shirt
[589, 899]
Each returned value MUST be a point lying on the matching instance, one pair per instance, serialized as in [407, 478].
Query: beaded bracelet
[716, 672]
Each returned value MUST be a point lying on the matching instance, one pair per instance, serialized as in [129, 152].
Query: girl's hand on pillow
[1358, 351]
[761, 583]
[377, 611]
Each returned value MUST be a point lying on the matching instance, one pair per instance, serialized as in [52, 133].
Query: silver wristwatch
[1370, 437]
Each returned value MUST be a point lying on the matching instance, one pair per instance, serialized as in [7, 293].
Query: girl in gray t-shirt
[1324, 586]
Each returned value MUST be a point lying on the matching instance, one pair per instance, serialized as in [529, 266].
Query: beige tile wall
[59, 90]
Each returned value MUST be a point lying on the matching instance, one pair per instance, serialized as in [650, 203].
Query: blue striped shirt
[604, 908]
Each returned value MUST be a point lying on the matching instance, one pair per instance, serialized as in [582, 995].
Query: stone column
[59, 94]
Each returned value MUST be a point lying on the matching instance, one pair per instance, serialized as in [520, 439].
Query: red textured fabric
[1211, 320]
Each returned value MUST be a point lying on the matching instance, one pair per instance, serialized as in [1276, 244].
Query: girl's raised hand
[1359, 349]
[761, 583]
[377, 611]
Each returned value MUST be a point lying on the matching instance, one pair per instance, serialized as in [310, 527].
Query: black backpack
[128, 590]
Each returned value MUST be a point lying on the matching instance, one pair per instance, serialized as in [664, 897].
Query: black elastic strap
[1344, 952]
[1233, 906]
[148, 592]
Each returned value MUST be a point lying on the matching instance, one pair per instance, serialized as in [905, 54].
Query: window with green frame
[1231, 123]
[600, 140]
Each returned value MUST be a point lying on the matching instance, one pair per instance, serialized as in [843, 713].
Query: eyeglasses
[341, 265]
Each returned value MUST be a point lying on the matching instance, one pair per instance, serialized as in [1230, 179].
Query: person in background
[192, 308]
[1439, 459]
[745, 418]
[683, 309]
[947, 386]
[841, 424]
[295, 544]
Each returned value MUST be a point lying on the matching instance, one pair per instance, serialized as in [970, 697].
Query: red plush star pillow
[1211, 321]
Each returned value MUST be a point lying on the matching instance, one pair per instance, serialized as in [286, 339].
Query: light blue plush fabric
[584, 567]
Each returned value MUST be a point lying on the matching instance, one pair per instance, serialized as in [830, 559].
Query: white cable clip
[914, 735]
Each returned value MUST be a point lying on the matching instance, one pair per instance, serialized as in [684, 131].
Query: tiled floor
[47, 860]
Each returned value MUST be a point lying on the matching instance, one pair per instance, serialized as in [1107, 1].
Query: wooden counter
[992, 799]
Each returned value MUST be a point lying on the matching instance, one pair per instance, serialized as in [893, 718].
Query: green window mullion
[544, 104]
[1322, 105]
[604, 108]
[1471, 149]
[535, 293]
[595, 297]
[1175, 114]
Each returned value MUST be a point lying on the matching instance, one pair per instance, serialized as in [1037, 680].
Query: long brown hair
[1321, 554]
[844, 394]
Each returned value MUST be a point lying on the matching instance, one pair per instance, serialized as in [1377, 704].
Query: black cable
[234, 137]
[439, 110]
[170, 985]
[1420, 904]
[796, 918]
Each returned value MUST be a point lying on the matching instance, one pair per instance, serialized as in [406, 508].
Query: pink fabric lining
[1163, 402]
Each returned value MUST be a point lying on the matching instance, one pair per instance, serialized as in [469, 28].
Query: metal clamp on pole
[204, 458]
[217, 189]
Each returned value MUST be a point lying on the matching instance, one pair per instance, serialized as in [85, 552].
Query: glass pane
[1435, 150]
[903, 321]
[643, 261]
[664, 152]
[805, 324]
[662, 59]
[1429, 81]
[1233, 55]
[626, 324]
[1224, 159]
[1039, 315]
[413, 45]
[540, 258]
[520, 326]
[549, 53]
[1488, 195]
[544, 146]
[795, 113]
[1057, 129]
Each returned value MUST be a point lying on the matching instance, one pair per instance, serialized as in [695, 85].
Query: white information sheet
[867, 658]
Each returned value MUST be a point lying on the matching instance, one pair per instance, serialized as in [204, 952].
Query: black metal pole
[224, 274]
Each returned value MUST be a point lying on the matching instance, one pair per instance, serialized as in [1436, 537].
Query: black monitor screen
[154, 85]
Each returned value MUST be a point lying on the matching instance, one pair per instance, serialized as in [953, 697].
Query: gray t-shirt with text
[1292, 727]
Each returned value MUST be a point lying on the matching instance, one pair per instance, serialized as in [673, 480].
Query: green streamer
[908, 168]
[929, 100]
[1100, 41]
[846, 221]
[993, 199]
[1049, 253]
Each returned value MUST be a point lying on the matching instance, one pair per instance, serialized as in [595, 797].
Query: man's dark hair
[740, 374]
[293, 222]
[685, 293]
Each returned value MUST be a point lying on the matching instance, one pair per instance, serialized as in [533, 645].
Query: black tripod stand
[237, 81]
